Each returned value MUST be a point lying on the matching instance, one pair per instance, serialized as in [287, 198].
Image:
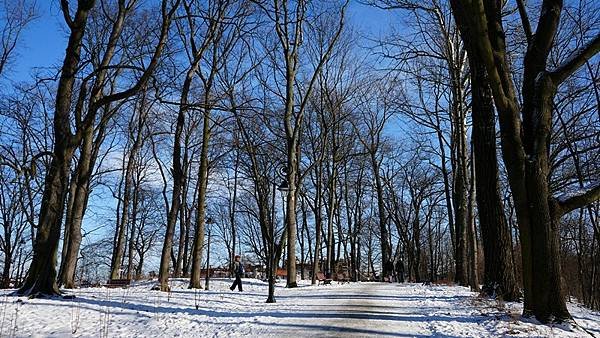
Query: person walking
[238, 269]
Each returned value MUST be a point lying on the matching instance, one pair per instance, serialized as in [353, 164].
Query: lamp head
[283, 186]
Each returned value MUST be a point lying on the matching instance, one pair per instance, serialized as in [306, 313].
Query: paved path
[373, 309]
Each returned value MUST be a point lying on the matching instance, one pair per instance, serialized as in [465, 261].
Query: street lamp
[283, 186]
[209, 221]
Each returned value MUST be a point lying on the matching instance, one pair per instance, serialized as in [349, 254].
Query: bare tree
[289, 19]
[195, 51]
[229, 33]
[375, 111]
[525, 130]
[499, 278]
[41, 278]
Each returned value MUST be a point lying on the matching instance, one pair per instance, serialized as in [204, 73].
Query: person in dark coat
[238, 269]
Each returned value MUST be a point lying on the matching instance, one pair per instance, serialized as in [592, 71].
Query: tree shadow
[383, 297]
[302, 314]
[343, 331]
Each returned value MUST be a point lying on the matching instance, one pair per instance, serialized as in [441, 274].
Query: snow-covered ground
[349, 310]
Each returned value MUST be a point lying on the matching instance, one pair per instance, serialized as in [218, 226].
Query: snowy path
[386, 310]
[369, 310]
[350, 310]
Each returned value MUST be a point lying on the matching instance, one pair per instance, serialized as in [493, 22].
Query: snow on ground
[349, 310]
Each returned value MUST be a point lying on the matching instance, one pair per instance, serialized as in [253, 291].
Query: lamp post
[283, 186]
[209, 222]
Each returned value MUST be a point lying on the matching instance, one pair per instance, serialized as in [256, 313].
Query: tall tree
[232, 22]
[136, 127]
[438, 54]
[41, 278]
[195, 49]
[499, 278]
[525, 134]
[376, 111]
[289, 18]
[42, 272]
[95, 132]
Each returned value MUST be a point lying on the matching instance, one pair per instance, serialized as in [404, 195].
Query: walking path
[349, 310]
[372, 309]
[378, 309]
[399, 310]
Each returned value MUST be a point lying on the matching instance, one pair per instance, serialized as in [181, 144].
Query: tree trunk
[132, 234]
[119, 248]
[301, 238]
[525, 140]
[416, 226]
[68, 213]
[472, 249]
[163, 274]
[233, 209]
[80, 198]
[179, 261]
[197, 247]
[318, 221]
[499, 279]
[330, 211]
[5, 283]
[447, 186]
[460, 200]
[387, 264]
[547, 297]
[41, 278]
[290, 216]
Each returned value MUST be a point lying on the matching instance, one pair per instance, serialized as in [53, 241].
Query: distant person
[238, 269]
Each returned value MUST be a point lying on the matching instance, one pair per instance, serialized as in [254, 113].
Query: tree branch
[525, 20]
[167, 17]
[579, 198]
[576, 60]
[64, 6]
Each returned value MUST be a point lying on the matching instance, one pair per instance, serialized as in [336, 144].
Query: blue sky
[44, 41]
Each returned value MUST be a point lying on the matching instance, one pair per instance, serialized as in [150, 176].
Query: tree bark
[178, 170]
[387, 267]
[80, 198]
[119, 248]
[41, 278]
[69, 206]
[198, 244]
[525, 131]
[318, 212]
[459, 195]
[163, 274]
[499, 280]
[134, 222]
[183, 210]
[472, 249]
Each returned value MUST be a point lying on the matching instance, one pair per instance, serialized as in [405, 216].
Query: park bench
[85, 284]
[281, 273]
[322, 279]
[118, 283]
[10, 283]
